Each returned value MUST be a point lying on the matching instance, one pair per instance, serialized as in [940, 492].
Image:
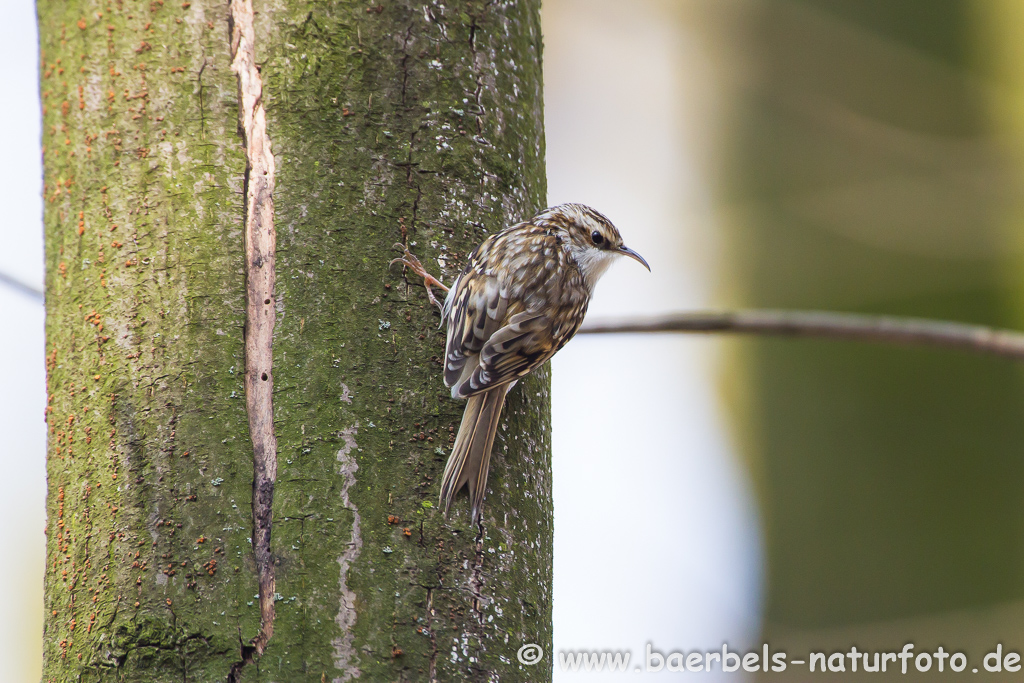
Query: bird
[522, 295]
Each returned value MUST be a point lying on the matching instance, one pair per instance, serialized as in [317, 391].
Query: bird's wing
[511, 352]
[501, 328]
[477, 307]
[526, 341]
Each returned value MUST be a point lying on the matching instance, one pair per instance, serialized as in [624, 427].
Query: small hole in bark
[264, 377]
[266, 301]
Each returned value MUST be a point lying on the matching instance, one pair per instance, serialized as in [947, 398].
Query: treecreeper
[523, 294]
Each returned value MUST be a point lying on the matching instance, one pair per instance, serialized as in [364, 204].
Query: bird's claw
[409, 260]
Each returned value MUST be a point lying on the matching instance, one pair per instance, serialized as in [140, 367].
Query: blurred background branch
[20, 287]
[828, 324]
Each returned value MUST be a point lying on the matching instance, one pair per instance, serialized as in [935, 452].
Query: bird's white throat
[593, 263]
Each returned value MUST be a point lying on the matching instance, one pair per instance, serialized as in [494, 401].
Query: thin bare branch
[20, 287]
[827, 324]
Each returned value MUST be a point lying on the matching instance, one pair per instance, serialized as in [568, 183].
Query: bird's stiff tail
[471, 455]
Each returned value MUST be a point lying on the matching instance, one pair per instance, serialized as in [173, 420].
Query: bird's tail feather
[471, 455]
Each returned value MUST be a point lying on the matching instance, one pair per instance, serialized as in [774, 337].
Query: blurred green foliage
[864, 174]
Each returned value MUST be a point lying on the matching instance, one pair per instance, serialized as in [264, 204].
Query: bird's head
[593, 240]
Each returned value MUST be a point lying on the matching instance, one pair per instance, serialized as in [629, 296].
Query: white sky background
[656, 533]
[22, 369]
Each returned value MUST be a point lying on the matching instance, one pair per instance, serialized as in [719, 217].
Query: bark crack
[429, 620]
[260, 247]
[478, 113]
[405, 61]
[476, 579]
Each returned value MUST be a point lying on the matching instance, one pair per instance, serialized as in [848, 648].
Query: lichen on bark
[149, 566]
[418, 123]
[411, 122]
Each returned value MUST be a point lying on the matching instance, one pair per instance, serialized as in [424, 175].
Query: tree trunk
[224, 509]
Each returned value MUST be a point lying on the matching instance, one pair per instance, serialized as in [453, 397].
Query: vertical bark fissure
[476, 577]
[260, 245]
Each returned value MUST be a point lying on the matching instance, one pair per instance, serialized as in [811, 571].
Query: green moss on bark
[149, 574]
[408, 122]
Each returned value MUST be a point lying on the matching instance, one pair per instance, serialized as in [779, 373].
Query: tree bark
[171, 166]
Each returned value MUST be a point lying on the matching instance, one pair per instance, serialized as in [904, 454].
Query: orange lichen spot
[95, 376]
[65, 106]
[81, 24]
[177, 69]
[201, 539]
[143, 47]
[110, 95]
[186, 5]
[63, 268]
[168, 602]
[392, 519]
[406, 531]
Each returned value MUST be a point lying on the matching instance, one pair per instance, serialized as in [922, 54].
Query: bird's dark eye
[597, 237]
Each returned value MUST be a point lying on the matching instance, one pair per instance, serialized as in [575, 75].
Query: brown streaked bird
[522, 295]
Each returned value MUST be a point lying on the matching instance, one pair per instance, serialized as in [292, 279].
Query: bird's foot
[409, 260]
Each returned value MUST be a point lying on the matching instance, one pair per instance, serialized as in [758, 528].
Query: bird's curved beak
[626, 251]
